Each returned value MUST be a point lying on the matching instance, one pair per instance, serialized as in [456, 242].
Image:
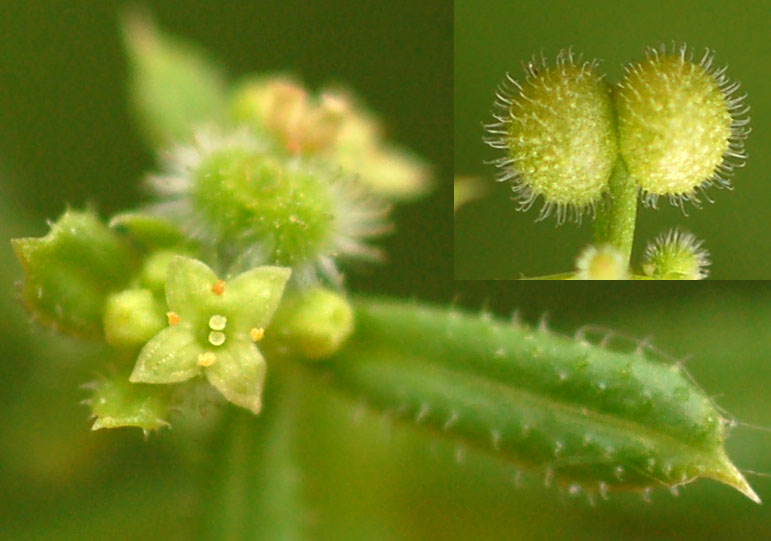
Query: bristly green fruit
[257, 207]
[557, 130]
[676, 255]
[70, 271]
[588, 417]
[681, 129]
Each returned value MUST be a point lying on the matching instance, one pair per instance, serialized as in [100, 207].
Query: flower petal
[239, 374]
[256, 294]
[189, 286]
[170, 357]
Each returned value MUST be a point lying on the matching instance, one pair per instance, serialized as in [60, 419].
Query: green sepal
[70, 271]
[132, 317]
[148, 230]
[174, 85]
[314, 323]
[117, 403]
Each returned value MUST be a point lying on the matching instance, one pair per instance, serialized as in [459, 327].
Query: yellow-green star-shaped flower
[213, 327]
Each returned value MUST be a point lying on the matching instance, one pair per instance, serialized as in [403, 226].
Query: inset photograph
[610, 141]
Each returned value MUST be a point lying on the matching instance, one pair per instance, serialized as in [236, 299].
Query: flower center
[217, 324]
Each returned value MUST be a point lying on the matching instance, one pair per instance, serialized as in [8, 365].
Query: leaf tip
[730, 475]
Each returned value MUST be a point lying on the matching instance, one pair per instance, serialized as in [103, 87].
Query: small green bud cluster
[676, 123]
[265, 172]
[314, 324]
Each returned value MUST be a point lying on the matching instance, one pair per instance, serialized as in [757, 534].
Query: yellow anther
[256, 334]
[173, 318]
[207, 359]
[219, 287]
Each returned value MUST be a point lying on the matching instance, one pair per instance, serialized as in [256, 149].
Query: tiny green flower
[213, 325]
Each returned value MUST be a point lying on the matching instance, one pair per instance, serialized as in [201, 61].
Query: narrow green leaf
[174, 85]
[589, 417]
[70, 271]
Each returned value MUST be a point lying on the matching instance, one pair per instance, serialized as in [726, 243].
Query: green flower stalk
[213, 327]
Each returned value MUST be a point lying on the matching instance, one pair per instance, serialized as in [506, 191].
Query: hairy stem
[616, 215]
[252, 489]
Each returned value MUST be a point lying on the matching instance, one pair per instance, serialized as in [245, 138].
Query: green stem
[616, 215]
[252, 487]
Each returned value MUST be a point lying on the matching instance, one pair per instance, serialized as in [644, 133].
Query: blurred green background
[492, 239]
